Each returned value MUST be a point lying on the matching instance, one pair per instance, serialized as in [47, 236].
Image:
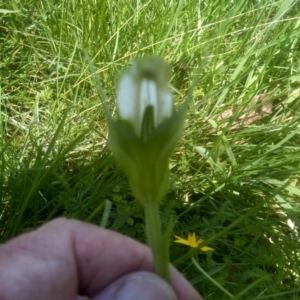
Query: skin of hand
[67, 258]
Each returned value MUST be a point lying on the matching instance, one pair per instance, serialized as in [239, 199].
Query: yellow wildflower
[192, 242]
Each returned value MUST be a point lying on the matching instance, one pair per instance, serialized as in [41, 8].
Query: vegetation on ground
[235, 173]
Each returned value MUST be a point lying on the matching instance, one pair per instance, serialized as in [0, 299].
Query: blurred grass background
[235, 173]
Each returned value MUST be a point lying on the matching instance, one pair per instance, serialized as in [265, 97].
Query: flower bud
[146, 132]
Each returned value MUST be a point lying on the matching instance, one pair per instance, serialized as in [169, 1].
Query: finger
[67, 257]
[139, 285]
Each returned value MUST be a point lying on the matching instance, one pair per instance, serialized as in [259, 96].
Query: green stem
[159, 246]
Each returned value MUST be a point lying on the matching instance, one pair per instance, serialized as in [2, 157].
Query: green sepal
[145, 161]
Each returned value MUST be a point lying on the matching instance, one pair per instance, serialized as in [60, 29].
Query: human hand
[67, 258]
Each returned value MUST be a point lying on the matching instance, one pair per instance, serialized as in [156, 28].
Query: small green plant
[143, 139]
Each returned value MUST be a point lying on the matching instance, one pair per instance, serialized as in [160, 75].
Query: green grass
[236, 185]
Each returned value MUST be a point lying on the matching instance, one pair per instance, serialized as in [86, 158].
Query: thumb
[139, 285]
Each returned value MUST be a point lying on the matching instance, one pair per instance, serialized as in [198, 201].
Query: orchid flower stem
[160, 250]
